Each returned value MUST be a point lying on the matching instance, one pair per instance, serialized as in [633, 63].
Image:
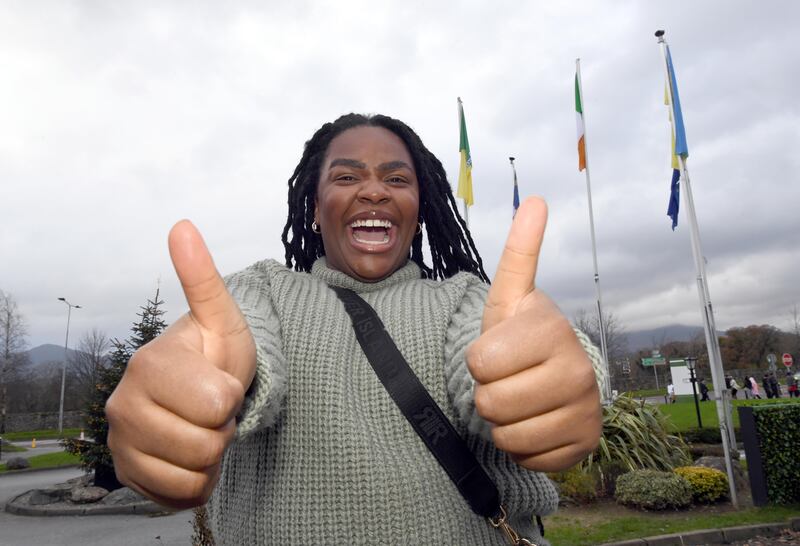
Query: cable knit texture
[323, 455]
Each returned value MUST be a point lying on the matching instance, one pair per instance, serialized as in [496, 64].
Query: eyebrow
[355, 164]
[347, 163]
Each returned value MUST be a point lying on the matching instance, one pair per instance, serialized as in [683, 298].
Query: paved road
[172, 530]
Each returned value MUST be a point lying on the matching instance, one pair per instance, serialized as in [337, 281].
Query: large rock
[718, 463]
[125, 495]
[17, 463]
[80, 481]
[86, 495]
[48, 496]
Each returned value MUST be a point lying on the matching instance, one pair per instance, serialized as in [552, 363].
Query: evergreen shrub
[708, 484]
[576, 485]
[653, 490]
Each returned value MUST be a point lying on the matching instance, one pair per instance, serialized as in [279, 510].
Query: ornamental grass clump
[708, 484]
[635, 436]
[653, 490]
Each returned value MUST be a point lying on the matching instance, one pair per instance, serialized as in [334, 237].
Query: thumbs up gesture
[173, 413]
[535, 383]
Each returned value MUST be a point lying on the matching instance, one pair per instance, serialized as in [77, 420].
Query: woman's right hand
[173, 413]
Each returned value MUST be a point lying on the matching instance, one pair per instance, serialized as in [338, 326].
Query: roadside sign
[787, 360]
[655, 361]
[771, 359]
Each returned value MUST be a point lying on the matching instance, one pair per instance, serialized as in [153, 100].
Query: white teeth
[371, 223]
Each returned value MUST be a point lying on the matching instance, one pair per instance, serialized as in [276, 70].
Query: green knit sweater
[323, 455]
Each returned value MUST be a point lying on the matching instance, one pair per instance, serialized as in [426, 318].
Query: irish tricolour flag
[581, 127]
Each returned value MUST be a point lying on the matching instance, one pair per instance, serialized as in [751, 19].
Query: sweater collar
[333, 277]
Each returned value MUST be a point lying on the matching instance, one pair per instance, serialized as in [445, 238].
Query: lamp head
[62, 299]
[691, 362]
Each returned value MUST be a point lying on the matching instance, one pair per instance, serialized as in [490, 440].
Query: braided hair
[451, 246]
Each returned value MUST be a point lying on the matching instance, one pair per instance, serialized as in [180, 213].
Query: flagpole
[722, 395]
[599, 304]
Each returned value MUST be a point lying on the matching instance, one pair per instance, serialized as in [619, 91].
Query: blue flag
[679, 146]
[674, 198]
[516, 195]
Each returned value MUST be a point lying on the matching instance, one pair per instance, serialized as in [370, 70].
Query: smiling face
[367, 204]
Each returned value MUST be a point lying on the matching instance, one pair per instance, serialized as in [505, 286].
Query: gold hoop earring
[315, 227]
[419, 228]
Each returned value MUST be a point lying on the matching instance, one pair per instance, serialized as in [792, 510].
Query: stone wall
[17, 422]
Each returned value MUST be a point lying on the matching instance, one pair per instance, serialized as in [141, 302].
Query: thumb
[516, 272]
[211, 304]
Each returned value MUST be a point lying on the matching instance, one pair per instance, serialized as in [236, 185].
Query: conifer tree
[95, 455]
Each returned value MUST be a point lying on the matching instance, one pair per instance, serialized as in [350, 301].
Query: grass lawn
[683, 415]
[605, 521]
[49, 460]
[40, 434]
[9, 448]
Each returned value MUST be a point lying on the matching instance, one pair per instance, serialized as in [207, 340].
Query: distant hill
[48, 354]
[650, 339]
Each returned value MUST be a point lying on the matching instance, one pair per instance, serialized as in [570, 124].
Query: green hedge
[653, 490]
[778, 431]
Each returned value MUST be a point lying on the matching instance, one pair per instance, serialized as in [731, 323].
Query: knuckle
[483, 402]
[502, 439]
[222, 401]
[213, 450]
[198, 488]
[475, 364]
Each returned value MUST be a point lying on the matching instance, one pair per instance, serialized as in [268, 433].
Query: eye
[396, 180]
[345, 178]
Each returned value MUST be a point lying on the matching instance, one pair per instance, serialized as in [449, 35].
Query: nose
[373, 190]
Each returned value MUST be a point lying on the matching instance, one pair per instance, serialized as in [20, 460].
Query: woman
[754, 387]
[734, 388]
[261, 395]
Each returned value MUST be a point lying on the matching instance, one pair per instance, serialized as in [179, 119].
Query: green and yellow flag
[465, 171]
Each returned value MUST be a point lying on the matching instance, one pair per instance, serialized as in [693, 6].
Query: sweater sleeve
[464, 328]
[264, 398]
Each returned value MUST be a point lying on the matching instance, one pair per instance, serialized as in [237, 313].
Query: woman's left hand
[535, 381]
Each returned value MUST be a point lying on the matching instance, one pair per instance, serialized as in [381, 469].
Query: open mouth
[371, 232]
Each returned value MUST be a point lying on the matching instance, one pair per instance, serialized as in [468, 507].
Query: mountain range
[637, 340]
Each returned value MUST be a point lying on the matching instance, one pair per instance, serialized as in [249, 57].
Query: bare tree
[12, 346]
[85, 363]
[616, 340]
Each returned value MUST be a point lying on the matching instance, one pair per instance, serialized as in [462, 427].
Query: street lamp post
[691, 362]
[64, 368]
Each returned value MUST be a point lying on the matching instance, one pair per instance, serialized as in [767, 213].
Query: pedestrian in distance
[791, 384]
[671, 393]
[774, 385]
[767, 386]
[747, 388]
[733, 386]
[703, 390]
[754, 387]
[261, 403]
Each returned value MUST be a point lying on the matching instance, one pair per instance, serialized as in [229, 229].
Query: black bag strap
[425, 416]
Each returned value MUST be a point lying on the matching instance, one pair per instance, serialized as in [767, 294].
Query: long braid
[450, 242]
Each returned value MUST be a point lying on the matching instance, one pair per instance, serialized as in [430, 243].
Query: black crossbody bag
[426, 418]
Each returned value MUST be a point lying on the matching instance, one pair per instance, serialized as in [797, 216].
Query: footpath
[77, 497]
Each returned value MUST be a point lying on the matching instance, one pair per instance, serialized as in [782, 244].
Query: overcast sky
[118, 119]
